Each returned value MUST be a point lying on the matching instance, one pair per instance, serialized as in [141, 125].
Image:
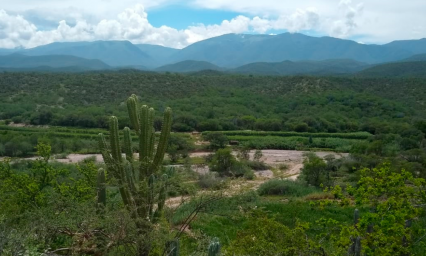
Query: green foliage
[356, 135]
[179, 146]
[285, 187]
[315, 171]
[296, 143]
[265, 236]
[225, 164]
[393, 199]
[217, 140]
[36, 186]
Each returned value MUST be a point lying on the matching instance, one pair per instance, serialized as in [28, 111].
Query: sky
[177, 23]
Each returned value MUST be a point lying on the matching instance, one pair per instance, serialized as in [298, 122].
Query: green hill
[325, 67]
[417, 57]
[50, 62]
[188, 66]
[396, 69]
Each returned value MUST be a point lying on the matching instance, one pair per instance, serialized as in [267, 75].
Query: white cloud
[14, 30]
[63, 21]
[132, 24]
[346, 26]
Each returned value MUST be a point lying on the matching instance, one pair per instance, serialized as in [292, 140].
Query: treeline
[216, 103]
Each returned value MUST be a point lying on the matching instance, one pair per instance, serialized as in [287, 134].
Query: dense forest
[365, 195]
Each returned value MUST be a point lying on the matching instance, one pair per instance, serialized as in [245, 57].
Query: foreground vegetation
[370, 202]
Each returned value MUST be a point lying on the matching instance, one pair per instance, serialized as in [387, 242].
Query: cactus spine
[141, 185]
[214, 247]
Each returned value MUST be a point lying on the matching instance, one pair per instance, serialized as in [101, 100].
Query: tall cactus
[141, 185]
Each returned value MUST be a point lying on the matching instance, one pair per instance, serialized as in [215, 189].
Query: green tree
[314, 170]
[217, 140]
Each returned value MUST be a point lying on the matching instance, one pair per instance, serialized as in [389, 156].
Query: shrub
[315, 170]
[249, 175]
[211, 181]
[285, 187]
[283, 167]
[257, 166]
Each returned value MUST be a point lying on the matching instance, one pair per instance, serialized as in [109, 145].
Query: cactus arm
[128, 144]
[144, 137]
[151, 144]
[114, 139]
[164, 137]
[132, 108]
[101, 191]
[151, 193]
[105, 151]
[151, 133]
[144, 143]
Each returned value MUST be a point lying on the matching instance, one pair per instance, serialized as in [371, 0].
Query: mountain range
[284, 54]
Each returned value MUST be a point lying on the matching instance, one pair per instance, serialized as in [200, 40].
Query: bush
[211, 181]
[285, 187]
[257, 166]
[249, 175]
[315, 170]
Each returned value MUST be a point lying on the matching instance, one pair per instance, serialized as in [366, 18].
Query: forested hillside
[230, 102]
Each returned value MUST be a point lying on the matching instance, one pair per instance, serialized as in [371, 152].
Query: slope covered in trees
[396, 69]
[313, 104]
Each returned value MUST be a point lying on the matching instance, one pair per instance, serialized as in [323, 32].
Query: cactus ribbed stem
[101, 191]
[114, 139]
[144, 137]
[164, 137]
[132, 108]
[128, 144]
